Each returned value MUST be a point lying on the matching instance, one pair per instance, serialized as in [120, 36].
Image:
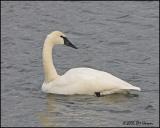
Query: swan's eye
[62, 36]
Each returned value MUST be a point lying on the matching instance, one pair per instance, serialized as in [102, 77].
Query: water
[117, 37]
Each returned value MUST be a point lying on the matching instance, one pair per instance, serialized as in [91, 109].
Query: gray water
[117, 37]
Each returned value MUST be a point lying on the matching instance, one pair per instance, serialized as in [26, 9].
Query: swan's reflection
[75, 107]
[46, 117]
[119, 98]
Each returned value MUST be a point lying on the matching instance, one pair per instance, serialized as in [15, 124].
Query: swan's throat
[49, 69]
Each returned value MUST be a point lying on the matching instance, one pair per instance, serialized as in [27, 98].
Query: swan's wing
[96, 80]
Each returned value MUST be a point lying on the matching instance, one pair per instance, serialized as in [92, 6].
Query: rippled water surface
[116, 37]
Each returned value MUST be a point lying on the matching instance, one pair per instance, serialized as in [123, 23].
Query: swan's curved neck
[49, 69]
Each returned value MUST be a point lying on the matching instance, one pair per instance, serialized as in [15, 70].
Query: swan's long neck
[49, 69]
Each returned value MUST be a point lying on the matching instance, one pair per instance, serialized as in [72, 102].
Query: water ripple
[122, 111]
[118, 43]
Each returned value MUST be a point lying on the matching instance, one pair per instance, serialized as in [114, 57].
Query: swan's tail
[131, 87]
[136, 88]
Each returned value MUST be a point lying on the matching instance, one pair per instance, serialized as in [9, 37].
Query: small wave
[147, 58]
[26, 39]
[149, 107]
[118, 43]
[90, 12]
[82, 34]
[25, 70]
[124, 16]
[122, 111]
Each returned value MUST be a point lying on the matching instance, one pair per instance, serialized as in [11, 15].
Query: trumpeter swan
[77, 80]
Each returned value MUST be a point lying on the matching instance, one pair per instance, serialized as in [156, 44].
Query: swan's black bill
[68, 43]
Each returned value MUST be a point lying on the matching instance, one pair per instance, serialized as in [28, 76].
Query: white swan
[77, 80]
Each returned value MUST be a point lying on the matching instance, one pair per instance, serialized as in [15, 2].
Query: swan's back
[88, 81]
[96, 78]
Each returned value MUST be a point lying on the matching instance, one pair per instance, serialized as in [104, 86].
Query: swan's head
[58, 37]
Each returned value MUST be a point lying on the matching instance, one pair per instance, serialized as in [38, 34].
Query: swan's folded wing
[95, 80]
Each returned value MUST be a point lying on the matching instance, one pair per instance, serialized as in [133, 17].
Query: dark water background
[117, 37]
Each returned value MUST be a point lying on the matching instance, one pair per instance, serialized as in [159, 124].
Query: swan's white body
[86, 81]
[78, 80]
